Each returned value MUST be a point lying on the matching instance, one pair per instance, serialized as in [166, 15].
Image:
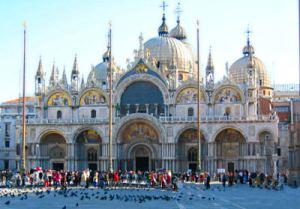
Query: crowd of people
[254, 179]
[87, 178]
[164, 179]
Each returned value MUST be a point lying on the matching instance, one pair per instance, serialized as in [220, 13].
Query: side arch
[228, 86]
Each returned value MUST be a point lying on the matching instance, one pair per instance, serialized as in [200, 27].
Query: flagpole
[198, 99]
[110, 100]
[24, 105]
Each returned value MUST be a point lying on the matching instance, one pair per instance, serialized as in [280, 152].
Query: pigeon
[7, 202]
[77, 204]
[64, 207]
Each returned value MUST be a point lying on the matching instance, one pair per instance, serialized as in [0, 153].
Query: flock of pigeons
[81, 195]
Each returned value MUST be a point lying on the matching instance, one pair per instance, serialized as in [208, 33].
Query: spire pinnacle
[40, 70]
[210, 72]
[75, 70]
[52, 77]
[210, 64]
[82, 85]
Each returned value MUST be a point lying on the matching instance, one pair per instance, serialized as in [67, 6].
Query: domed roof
[99, 72]
[238, 71]
[178, 32]
[170, 51]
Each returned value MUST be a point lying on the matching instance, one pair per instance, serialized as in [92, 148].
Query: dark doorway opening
[142, 163]
[93, 166]
[230, 167]
[193, 167]
[58, 166]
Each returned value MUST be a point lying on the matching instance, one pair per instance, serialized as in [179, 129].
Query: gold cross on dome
[164, 6]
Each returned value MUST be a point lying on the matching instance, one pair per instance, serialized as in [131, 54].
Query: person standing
[224, 179]
[208, 181]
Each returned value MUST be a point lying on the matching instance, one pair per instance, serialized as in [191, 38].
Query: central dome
[169, 51]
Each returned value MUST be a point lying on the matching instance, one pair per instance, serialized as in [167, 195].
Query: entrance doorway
[58, 166]
[142, 163]
[231, 167]
[93, 166]
[193, 167]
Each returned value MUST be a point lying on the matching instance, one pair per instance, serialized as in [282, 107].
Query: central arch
[141, 155]
[138, 143]
[88, 149]
[231, 147]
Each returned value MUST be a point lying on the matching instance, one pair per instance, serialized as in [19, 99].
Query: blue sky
[59, 29]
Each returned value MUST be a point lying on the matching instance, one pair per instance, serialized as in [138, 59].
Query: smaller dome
[100, 72]
[238, 71]
[178, 32]
[163, 28]
[105, 56]
[248, 50]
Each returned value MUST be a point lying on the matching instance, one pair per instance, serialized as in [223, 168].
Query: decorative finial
[178, 11]
[248, 32]
[163, 29]
[141, 40]
[227, 68]
[25, 25]
[164, 6]
[141, 46]
[248, 49]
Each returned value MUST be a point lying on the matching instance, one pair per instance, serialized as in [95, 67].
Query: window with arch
[92, 154]
[227, 112]
[180, 77]
[93, 114]
[59, 115]
[192, 154]
[191, 111]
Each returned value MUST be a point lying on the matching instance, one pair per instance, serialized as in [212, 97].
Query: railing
[216, 118]
[286, 87]
[283, 127]
[161, 118]
[70, 121]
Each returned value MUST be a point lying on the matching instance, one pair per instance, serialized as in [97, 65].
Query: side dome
[238, 71]
[99, 74]
[169, 51]
[178, 32]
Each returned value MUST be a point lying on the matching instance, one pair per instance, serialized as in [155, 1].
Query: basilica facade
[155, 113]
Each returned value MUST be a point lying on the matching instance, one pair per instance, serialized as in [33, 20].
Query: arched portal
[230, 148]
[52, 150]
[142, 97]
[188, 149]
[138, 142]
[88, 149]
[141, 156]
